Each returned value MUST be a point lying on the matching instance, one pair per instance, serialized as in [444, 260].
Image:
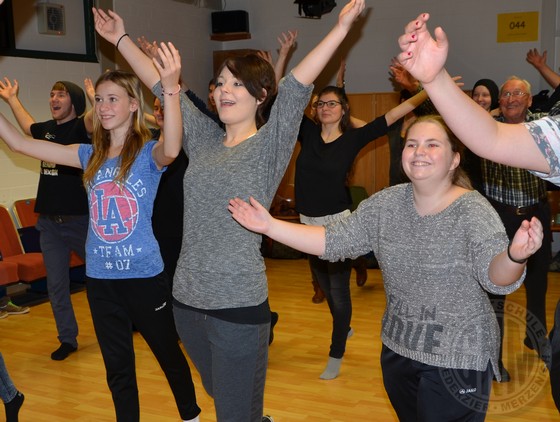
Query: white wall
[471, 27]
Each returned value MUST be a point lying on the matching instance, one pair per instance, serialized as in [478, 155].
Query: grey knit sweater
[220, 265]
[435, 273]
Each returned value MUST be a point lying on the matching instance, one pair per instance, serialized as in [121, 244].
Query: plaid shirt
[511, 185]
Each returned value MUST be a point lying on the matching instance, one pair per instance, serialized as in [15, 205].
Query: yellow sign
[518, 27]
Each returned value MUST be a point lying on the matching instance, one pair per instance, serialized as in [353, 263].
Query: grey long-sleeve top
[435, 272]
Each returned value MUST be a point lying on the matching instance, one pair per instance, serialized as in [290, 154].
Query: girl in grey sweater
[221, 298]
[440, 246]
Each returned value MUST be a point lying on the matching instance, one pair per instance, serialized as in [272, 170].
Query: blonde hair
[137, 135]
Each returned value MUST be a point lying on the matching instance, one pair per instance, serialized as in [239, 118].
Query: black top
[322, 168]
[61, 190]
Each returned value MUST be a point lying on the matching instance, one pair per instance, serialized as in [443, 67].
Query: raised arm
[169, 69]
[315, 61]
[405, 107]
[538, 61]
[254, 217]
[507, 267]
[424, 57]
[42, 150]
[9, 93]
[287, 42]
[111, 27]
[90, 94]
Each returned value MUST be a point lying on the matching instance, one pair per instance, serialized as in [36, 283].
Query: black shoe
[542, 347]
[503, 372]
[63, 351]
[12, 407]
[273, 321]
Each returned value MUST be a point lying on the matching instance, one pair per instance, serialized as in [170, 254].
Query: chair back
[10, 244]
[24, 212]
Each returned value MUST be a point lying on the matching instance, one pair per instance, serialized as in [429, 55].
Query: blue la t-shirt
[120, 242]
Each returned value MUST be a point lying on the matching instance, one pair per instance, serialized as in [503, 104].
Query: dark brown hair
[257, 75]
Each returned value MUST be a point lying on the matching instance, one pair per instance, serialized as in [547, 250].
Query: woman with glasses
[328, 150]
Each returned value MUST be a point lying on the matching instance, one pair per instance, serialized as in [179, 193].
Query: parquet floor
[75, 389]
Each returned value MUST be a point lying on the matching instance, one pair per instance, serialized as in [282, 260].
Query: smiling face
[61, 106]
[481, 96]
[234, 103]
[428, 154]
[113, 106]
[514, 107]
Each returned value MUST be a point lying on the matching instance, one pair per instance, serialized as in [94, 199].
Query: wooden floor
[75, 389]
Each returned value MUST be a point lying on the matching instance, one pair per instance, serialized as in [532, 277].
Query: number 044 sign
[518, 27]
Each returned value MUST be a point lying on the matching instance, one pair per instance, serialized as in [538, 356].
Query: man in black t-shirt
[61, 198]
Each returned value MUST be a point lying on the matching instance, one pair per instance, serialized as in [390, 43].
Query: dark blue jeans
[58, 239]
[334, 280]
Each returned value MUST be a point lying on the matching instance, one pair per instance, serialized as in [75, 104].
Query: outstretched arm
[315, 61]
[254, 217]
[405, 107]
[527, 240]
[9, 93]
[111, 27]
[424, 57]
[539, 62]
[42, 150]
[169, 69]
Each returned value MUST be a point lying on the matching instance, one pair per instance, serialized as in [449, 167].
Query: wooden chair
[24, 211]
[30, 266]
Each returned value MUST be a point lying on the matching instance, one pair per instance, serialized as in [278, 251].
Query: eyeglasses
[517, 93]
[329, 104]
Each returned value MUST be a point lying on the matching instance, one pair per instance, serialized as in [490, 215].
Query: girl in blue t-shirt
[126, 284]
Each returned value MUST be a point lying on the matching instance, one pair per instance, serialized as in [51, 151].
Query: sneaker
[12, 309]
[267, 418]
[63, 351]
[3, 313]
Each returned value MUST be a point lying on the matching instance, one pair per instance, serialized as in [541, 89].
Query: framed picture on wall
[56, 30]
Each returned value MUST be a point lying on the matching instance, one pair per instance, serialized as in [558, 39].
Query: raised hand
[350, 13]
[252, 216]
[109, 25]
[8, 90]
[527, 239]
[402, 76]
[265, 55]
[168, 65]
[287, 41]
[536, 59]
[150, 49]
[423, 56]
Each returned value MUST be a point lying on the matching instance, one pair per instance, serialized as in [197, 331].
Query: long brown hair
[138, 133]
[459, 176]
[256, 74]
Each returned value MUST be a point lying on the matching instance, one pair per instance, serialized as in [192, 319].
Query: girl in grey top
[221, 298]
[440, 247]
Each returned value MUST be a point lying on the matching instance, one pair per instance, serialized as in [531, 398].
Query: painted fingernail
[413, 36]
[409, 54]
